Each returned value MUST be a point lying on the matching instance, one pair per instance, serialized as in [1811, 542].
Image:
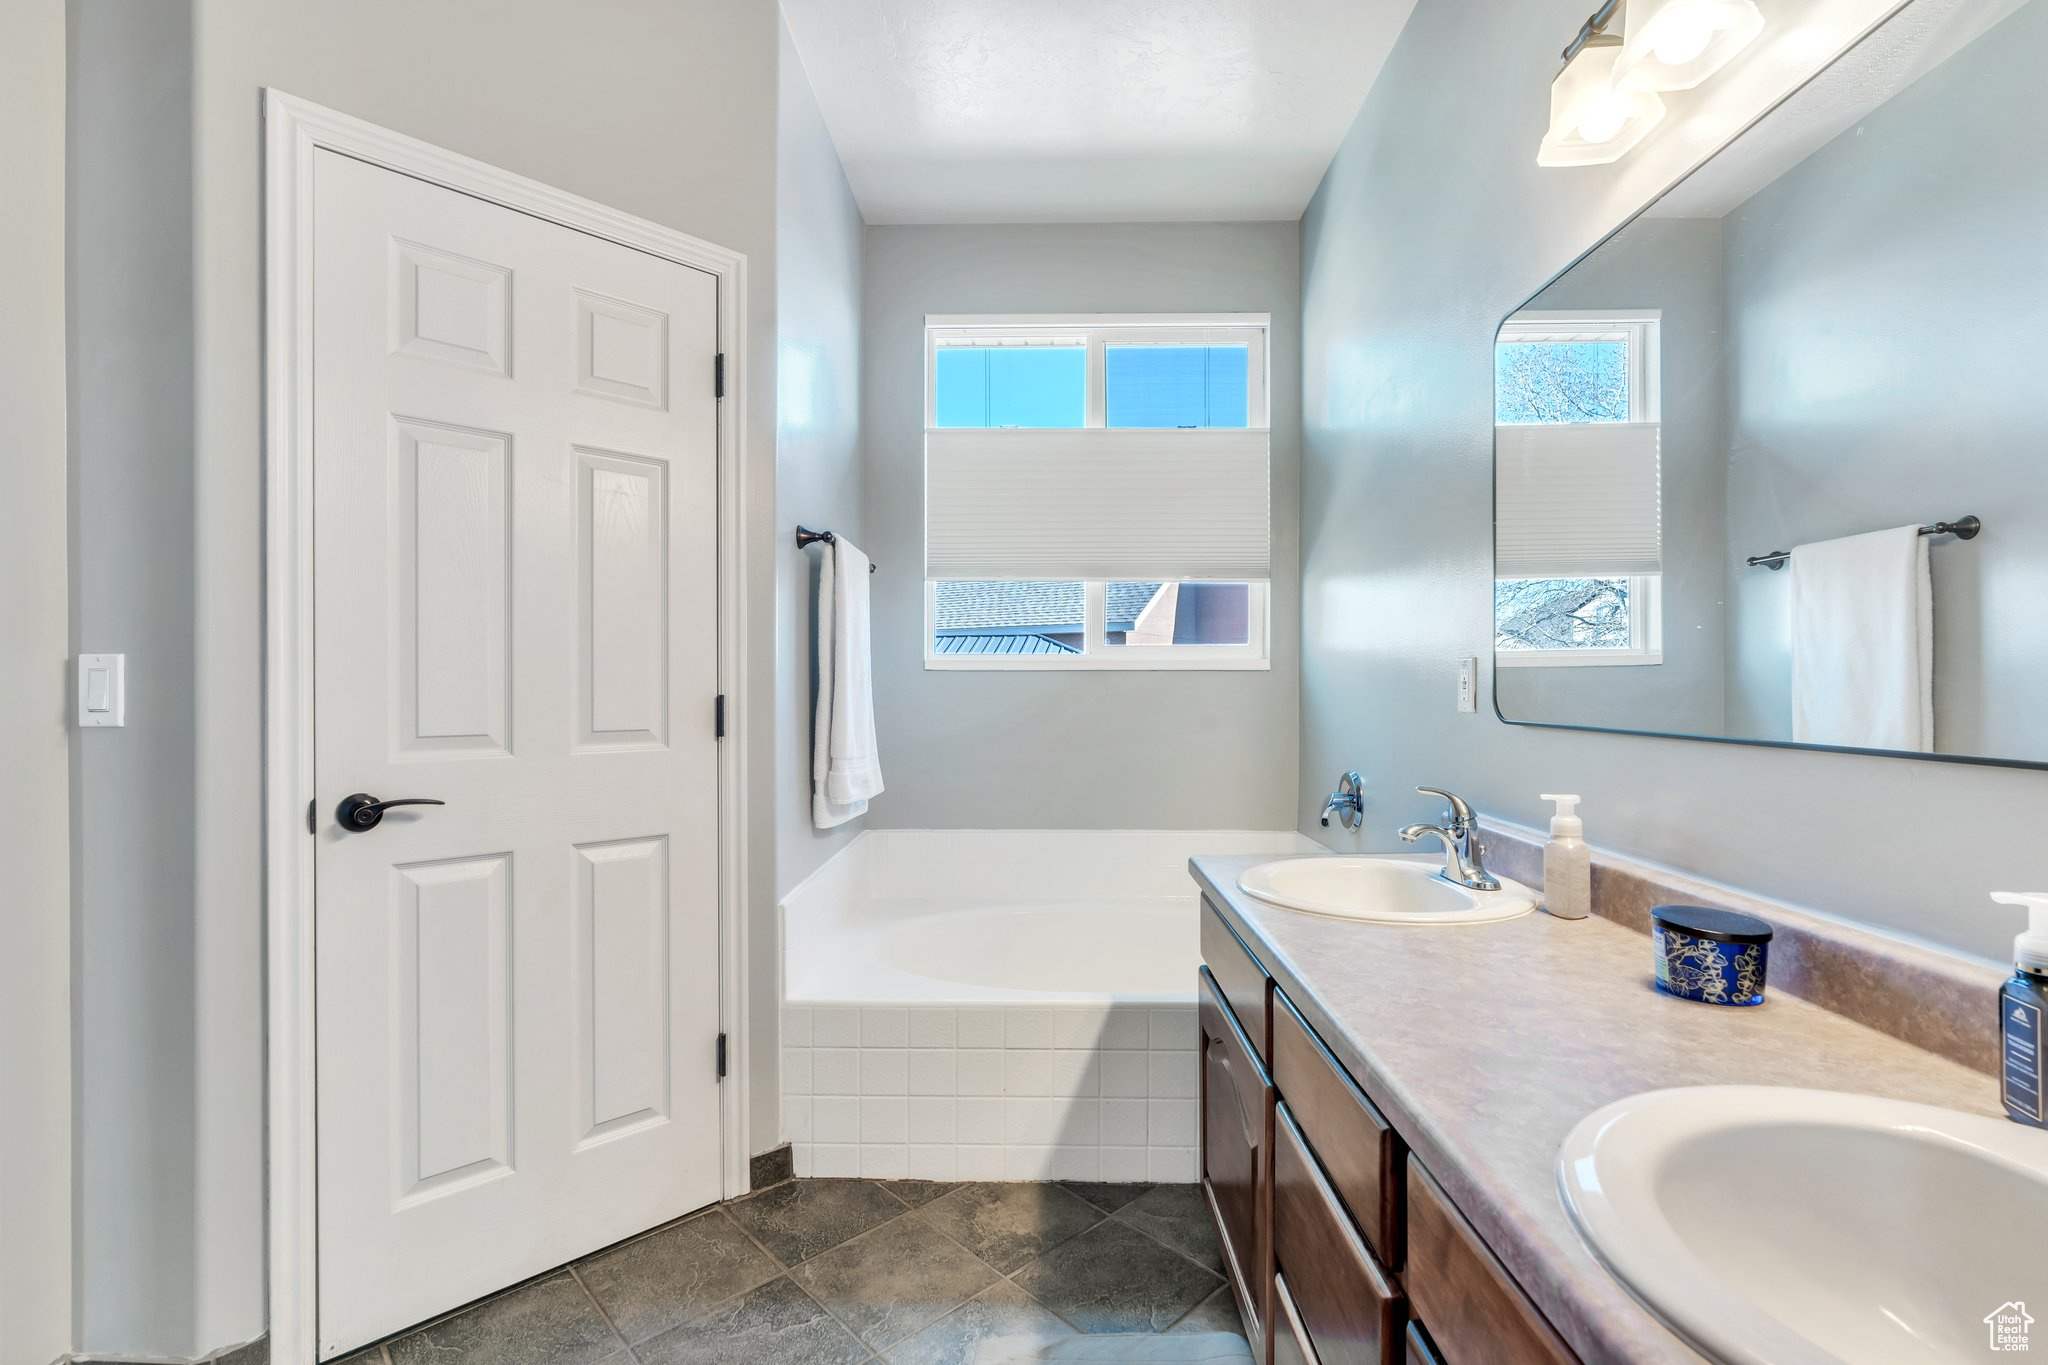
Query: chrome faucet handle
[1347, 803]
[1460, 816]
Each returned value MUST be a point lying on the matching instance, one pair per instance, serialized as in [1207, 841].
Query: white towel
[845, 768]
[1863, 642]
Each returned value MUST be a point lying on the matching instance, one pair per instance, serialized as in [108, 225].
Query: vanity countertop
[1485, 1044]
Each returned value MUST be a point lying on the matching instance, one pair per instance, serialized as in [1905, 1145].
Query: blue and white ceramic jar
[1718, 957]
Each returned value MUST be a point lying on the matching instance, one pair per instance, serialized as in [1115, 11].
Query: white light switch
[1468, 686]
[102, 689]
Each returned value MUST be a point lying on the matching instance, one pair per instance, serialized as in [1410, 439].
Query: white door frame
[293, 131]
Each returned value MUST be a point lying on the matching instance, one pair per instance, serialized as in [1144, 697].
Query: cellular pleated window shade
[1578, 501]
[1098, 503]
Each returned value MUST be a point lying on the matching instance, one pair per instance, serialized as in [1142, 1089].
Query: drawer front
[1291, 1344]
[1325, 1279]
[1421, 1350]
[1236, 1143]
[1356, 1147]
[1240, 980]
[1473, 1310]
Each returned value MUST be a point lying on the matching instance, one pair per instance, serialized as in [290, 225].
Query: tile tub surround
[860, 1272]
[1035, 1080]
[1942, 1001]
[1485, 1044]
[1071, 1092]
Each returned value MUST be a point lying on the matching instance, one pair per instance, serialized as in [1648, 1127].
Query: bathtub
[998, 1005]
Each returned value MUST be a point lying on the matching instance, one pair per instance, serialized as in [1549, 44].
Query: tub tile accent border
[1080, 1092]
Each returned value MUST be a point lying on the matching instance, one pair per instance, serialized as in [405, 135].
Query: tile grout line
[787, 1271]
[1174, 1249]
[907, 1213]
[1106, 1218]
[576, 1274]
[721, 1210]
[1010, 1278]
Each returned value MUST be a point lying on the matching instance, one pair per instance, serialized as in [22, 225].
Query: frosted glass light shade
[1676, 44]
[1592, 123]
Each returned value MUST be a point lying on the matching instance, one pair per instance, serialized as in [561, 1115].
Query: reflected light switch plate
[102, 690]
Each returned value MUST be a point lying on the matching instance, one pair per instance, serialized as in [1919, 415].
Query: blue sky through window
[1011, 386]
[1176, 386]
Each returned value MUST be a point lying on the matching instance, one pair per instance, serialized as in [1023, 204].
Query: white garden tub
[999, 1004]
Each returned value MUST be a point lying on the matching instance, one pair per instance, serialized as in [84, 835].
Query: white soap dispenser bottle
[2022, 1004]
[1567, 862]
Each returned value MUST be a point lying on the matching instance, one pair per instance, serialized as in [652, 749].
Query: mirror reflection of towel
[1863, 642]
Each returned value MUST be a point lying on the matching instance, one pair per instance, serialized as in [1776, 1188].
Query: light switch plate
[102, 690]
[1468, 686]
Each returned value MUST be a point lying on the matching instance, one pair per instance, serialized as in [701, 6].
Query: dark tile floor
[853, 1272]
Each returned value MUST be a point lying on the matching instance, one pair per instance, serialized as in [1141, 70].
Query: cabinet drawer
[1240, 980]
[1328, 1289]
[1236, 1117]
[1356, 1147]
[1421, 1350]
[1474, 1312]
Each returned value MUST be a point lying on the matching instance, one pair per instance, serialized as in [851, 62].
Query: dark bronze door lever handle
[363, 811]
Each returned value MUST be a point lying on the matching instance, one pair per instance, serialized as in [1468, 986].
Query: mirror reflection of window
[1579, 576]
[1817, 462]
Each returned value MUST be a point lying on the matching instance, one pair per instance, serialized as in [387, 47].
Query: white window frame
[1097, 332]
[1642, 328]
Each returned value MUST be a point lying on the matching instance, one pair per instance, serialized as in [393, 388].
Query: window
[1066, 461]
[1579, 552]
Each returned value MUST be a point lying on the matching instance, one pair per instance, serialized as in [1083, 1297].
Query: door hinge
[718, 376]
[721, 1056]
[312, 816]
[718, 718]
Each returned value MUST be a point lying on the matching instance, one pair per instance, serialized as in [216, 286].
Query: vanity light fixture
[1676, 44]
[1591, 121]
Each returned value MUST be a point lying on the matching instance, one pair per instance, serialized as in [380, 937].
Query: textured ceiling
[950, 111]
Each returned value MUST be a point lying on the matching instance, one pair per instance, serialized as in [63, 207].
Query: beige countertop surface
[1485, 1044]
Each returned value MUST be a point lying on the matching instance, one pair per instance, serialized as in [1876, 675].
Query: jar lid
[1722, 926]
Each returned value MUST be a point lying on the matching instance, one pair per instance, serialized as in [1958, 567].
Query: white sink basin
[1383, 890]
[1801, 1227]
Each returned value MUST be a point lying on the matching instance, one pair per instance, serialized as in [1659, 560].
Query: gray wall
[662, 108]
[1673, 264]
[35, 919]
[817, 484]
[1412, 251]
[1887, 371]
[1025, 750]
[142, 1274]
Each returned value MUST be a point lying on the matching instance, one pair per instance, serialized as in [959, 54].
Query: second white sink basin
[1382, 890]
[1773, 1226]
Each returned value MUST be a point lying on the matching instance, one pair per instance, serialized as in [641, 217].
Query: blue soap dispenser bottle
[2022, 1005]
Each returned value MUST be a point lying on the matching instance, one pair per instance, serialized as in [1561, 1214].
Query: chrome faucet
[1347, 803]
[1464, 854]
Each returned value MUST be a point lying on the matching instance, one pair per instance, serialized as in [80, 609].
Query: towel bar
[806, 536]
[1965, 529]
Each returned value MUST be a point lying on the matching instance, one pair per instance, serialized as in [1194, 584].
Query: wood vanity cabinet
[1235, 1115]
[1342, 1249]
[1473, 1309]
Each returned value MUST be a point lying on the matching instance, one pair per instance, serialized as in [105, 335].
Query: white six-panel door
[515, 613]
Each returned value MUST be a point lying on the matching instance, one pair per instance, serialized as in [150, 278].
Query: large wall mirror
[1771, 463]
